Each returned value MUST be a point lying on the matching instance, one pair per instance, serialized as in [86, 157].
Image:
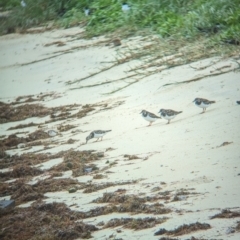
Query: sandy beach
[190, 166]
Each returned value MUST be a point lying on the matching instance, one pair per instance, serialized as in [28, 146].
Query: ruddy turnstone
[203, 103]
[168, 114]
[97, 134]
[238, 102]
[150, 117]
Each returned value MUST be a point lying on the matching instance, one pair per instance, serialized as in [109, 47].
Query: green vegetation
[187, 19]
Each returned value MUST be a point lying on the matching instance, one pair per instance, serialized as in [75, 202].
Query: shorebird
[97, 134]
[203, 103]
[148, 116]
[168, 114]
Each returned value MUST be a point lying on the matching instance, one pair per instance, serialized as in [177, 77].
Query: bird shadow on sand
[152, 126]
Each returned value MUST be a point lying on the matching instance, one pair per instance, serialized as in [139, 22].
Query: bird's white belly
[149, 119]
[98, 135]
[203, 105]
[168, 117]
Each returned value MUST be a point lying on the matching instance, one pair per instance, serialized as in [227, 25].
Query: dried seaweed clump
[95, 187]
[132, 206]
[135, 223]
[21, 170]
[22, 192]
[3, 154]
[77, 161]
[9, 113]
[84, 111]
[44, 221]
[237, 228]
[31, 124]
[64, 128]
[131, 157]
[54, 185]
[13, 140]
[167, 238]
[184, 229]
[26, 193]
[115, 197]
[28, 159]
[182, 195]
[226, 214]
[132, 203]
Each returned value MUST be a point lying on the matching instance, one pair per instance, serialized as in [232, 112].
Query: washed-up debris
[20, 170]
[125, 203]
[193, 238]
[179, 198]
[99, 176]
[88, 170]
[9, 113]
[32, 98]
[6, 204]
[64, 128]
[31, 124]
[3, 154]
[96, 187]
[52, 133]
[131, 157]
[72, 190]
[54, 185]
[155, 189]
[166, 195]
[225, 144]
[57, 43]
[21, 145]
[13, 140]
[39, 134]
[237, 228]
[70, 158]
[230, 230]
[78, 162]
[109, 149]
[44, 221]
[28, 159]
[135, 223]
[184, 229]
[226, 214]
[182, 195]
[71, 141]
[26, 193]
[116, 42]
[167, 238]
[22, 192]
[118, 197]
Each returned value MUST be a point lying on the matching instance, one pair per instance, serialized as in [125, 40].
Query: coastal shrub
[168, 18]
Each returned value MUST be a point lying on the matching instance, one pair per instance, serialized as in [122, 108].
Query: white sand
[184, 154]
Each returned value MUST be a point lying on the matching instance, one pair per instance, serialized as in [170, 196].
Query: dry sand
[187, 154]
